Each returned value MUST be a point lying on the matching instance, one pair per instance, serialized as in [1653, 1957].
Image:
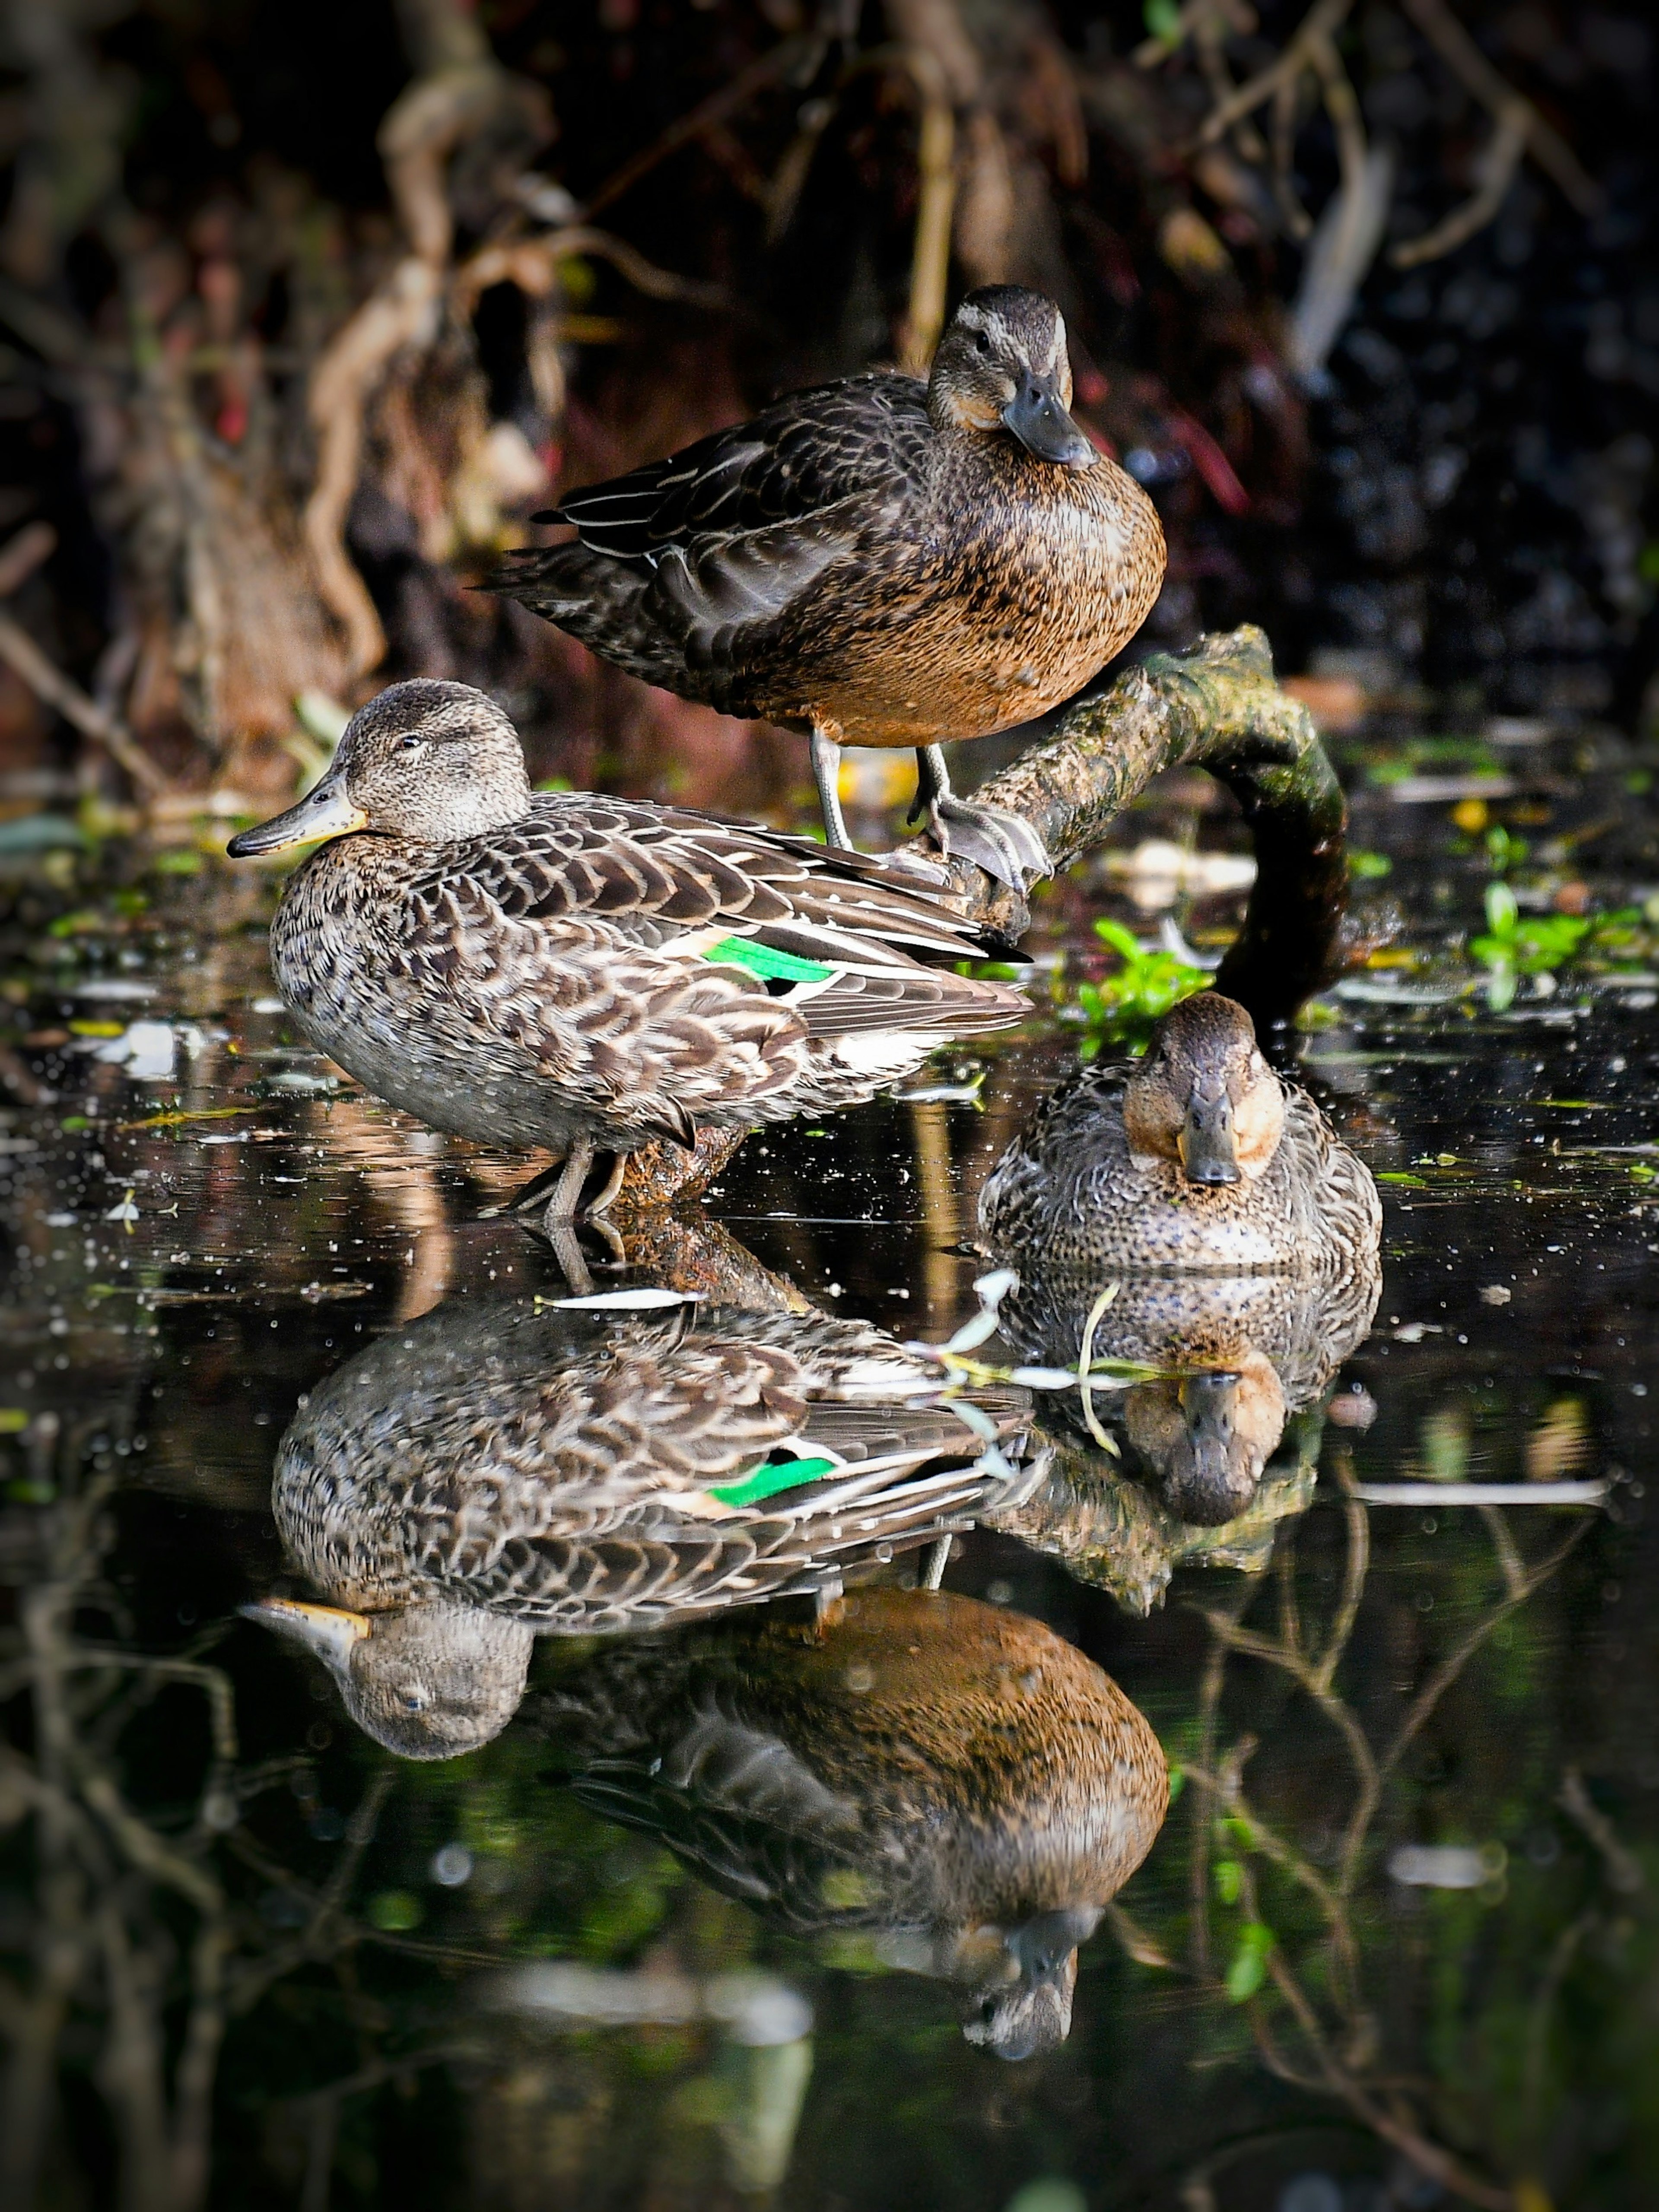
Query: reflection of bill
[503, 1468]
[946, 1782]
[1239, 1242]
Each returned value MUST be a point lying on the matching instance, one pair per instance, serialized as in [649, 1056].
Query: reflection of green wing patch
[767, 1481]
[762, 960]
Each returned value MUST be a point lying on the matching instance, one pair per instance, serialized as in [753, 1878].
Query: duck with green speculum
[505, 1469]
[878, 561]
[592, 974]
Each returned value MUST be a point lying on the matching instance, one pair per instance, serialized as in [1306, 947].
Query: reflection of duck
[496, 1470]
[948, 1773]
[1189, 1213]
[882, 562]
[1241, 1355]
[582, 973]
[1196, 1157]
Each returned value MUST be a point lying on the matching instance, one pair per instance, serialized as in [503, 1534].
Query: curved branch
[1217, 707]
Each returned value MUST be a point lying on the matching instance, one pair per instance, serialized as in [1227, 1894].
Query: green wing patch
[762, 960]
[767, 1481]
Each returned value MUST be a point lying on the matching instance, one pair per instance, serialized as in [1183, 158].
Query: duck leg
[826, 774]
[1002, 844]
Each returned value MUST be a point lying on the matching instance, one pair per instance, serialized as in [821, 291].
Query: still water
[1305, 1862]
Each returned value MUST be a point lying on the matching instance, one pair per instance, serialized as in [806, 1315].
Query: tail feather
[607, 605]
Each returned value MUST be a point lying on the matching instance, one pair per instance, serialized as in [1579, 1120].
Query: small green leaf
[1163, 21]
[1366, 867]
[12, 1419]
[1501, 911]
[1248, 1969]
[1228, 1880]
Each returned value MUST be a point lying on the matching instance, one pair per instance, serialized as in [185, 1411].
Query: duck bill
[324, 812]
[329, 1631]
[1037, 417]
[1208, 1403]
[1207, 1142]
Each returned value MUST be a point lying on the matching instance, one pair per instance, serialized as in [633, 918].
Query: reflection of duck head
[500, 1469]
[431, 1682]
[951, 1777]
[1207, 1436]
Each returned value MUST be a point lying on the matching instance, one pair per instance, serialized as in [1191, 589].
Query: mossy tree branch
[1215, 706]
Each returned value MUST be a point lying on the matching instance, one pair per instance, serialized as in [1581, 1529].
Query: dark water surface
[1397, 1942]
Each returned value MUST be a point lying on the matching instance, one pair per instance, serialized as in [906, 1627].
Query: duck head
[1204, 1096]
[1031, 2011]
[1002, 365]
[429, 1682]
[1208, 1437]
[426, 761]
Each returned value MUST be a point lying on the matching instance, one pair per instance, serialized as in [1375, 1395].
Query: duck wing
[866, 437]
[682, 571]
[674, 961]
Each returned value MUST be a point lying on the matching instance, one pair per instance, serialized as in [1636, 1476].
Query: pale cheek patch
[1258, 1125]
[969, 412]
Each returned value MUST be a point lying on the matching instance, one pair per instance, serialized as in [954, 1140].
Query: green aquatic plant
[1122, 1006]
[1513, 945]
[1613, 944]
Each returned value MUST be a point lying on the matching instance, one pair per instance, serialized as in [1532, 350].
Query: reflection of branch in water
[139, 1953]
[1342, 2049]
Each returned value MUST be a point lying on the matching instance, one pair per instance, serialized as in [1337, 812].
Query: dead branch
[1623, 1868]
[1465, 59]
[718, 108]
[24, 657]
[1316, 27]
[984, 221]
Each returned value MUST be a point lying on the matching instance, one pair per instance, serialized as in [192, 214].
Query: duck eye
[983, 343]
[410, 744]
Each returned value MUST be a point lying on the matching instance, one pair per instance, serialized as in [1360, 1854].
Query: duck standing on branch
[880, 562]
[585, 974]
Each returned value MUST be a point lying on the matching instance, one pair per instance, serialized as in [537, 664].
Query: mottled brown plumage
[1197, 1155]
[565, 970]
[881, 561]
[503, 1468]
[948, 1775]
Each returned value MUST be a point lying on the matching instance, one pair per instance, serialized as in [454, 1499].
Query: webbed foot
[1004, 845]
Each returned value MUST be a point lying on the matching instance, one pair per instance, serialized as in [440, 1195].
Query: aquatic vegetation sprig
[1514, 944]
[1121, 1007]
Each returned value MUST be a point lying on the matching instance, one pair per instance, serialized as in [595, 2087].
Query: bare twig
[1495, 170]
[1623, 1868]
[1317, 25]
[718, 108]
[24, 657]
[1465, 59]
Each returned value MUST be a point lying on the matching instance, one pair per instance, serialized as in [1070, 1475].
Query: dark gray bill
[1209, 1151]
[1037, 419]
[324, 812]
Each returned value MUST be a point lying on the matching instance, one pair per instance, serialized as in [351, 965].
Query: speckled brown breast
[1033, 583]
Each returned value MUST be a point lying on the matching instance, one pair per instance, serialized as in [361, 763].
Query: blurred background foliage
[305, 311]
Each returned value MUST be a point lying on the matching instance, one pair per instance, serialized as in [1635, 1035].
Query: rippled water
[1395, 1943]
